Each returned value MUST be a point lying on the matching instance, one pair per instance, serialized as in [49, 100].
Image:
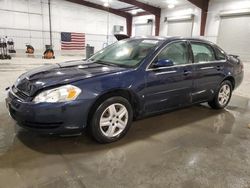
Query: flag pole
[50, 25]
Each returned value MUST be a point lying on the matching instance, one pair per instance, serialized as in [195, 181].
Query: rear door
[169, 87]
[208, 71]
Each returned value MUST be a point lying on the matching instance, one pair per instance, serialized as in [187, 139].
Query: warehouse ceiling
[112, 3]
[116, 4]
[165, 3]
[130, 8]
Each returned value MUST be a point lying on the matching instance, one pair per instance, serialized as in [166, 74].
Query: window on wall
[202, 52]
[176, 52]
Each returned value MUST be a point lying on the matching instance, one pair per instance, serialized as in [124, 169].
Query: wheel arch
[127, 94]
[231, 79]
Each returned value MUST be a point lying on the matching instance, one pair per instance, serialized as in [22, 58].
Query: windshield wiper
[106, 63]
[111, 64]
[100, 62]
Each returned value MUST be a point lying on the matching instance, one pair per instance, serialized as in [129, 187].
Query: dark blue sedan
[129, 79]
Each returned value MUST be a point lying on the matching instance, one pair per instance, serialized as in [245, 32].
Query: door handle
[219, 68]
[186, 72]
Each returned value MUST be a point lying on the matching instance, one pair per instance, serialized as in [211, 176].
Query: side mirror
[235, 56]
[163, 63]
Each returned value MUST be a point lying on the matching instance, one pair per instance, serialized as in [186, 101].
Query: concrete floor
[192, 147]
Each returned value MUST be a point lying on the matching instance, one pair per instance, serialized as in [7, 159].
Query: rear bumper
[238, 79]
[51, 118]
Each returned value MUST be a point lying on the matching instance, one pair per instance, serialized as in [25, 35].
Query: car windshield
[127, 53]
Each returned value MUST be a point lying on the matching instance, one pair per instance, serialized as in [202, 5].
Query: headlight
[60, 94]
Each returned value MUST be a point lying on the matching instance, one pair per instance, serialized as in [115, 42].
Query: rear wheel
[223, 96]
[111, 120]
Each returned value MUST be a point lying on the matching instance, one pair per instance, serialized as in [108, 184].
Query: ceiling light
[134, 12]
[171, 6]
[106, 4]
[171, 1]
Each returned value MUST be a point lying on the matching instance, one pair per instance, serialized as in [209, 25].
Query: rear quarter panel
[235, 69]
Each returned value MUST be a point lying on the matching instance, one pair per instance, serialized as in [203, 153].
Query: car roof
[170, 38]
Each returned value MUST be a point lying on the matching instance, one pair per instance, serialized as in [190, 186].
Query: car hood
[59, 74]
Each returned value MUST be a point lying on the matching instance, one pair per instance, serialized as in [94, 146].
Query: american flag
[72, 41]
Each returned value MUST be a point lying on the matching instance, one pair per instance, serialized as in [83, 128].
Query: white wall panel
[20, 20]
[35, 22]
[27, 21]
[143, 29]
[213, 17]
[138, 20]
[180, 28]
[234, 35]
[182, 11]
[6, 16]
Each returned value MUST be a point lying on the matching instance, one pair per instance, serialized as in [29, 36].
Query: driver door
[170, 86]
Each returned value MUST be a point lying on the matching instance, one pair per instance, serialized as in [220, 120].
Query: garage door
[143, 29]
[181, 28]
[234, 35]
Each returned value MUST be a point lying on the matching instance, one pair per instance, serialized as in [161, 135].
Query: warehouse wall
[137, 20]
[27, 22]
[213, 18]
[181, 11]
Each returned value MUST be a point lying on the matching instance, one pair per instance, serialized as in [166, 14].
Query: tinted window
[202, 52]
[220, 55]
[176, 52]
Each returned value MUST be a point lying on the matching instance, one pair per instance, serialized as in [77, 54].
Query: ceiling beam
[126, 15]
[148, 8]
[203, 5]
[128, 8]
[144, 13]
[129, 21]
[203, 22]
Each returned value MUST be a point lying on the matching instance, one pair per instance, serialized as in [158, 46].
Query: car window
[220, 54]
[176, 52]
[202, 52]
[125, 52]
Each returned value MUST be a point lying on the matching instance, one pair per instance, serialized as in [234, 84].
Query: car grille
[39, 125]
[19, 94]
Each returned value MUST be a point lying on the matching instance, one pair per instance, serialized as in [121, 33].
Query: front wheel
[223, 96]
[111, 120]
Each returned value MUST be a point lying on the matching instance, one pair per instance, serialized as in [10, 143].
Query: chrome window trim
[212, 46]
[150, 69]
[224, 53]
[183, 65]
[215, 46]
[206, 62]
[193, 63]
[174, 66]
[166, 72]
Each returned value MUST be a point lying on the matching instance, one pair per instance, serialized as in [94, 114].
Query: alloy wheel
[224, 95]
[114, 120]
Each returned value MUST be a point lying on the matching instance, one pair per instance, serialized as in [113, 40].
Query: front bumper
[51, 118]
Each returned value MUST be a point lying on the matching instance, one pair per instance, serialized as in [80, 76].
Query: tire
[106, 124]
[223, 95]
